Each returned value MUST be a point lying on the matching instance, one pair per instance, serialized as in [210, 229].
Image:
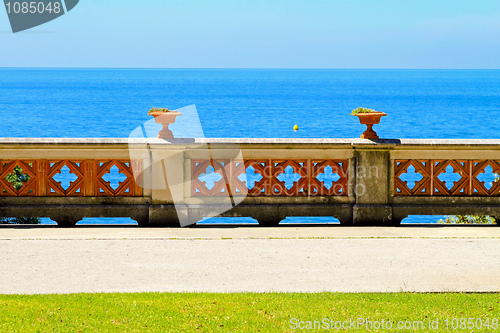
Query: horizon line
[240, 68]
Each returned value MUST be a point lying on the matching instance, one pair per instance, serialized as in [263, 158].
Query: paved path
[118, 259]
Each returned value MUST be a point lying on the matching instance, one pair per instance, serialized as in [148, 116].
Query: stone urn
[164, 117]
[369, 118]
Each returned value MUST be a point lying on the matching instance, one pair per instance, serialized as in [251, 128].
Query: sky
[409, 34]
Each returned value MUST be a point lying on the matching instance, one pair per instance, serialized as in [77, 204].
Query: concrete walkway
[40, 259]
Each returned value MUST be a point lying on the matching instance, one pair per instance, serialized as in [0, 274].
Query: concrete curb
[289, 231]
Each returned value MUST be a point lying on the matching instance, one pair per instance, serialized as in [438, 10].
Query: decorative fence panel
[472, 177]
[68, 178]
[269, 177]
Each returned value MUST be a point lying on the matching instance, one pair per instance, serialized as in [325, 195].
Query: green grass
[236, 312]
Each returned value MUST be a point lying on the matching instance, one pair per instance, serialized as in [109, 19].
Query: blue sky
[262, 34]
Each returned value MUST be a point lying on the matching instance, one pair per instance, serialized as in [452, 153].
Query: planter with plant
[165, 117]
[369, 118]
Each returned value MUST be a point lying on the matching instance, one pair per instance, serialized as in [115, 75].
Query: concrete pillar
[66, 221]
[269, 217]
[163, 216]
[372, 187]
[166, 183]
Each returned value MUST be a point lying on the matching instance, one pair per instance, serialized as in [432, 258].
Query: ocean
[256, 103]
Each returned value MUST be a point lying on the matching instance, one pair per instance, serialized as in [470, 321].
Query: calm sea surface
[252, 103]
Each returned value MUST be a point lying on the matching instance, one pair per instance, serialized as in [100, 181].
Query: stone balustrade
[176, 182]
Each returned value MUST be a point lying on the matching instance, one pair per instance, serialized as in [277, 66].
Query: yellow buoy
[295, 128]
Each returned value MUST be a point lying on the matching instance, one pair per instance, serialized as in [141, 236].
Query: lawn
[249, 312]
